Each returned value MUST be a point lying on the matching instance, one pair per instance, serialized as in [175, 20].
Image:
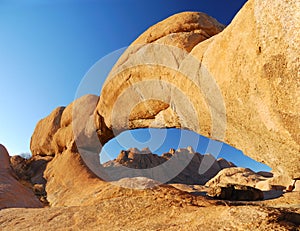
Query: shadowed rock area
[235, 192]
[12, 192]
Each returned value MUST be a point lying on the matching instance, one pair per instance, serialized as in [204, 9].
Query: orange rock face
[12, 193]
[240, 86]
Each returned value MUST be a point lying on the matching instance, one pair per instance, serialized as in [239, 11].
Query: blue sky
[46, 48]
[161, 140]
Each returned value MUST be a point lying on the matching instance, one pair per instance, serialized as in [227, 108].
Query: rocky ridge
[144, 159]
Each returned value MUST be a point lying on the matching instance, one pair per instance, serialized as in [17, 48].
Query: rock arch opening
[200, 158]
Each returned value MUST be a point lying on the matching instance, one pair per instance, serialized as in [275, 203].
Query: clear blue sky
[47, 46]
[161, 140]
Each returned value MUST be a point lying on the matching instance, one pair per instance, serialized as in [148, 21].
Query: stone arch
[255, 106]
[260, 91]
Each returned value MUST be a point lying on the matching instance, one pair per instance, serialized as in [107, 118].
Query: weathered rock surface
[77, 129]
[146, 89]
[166, 36]
[80, 200]
[236, 175]
[235, 192]
[12, 193]
[41, 139]
[244, 80]
[31, 173]
[183, 30]
[277, 182]
[71, 183]
[137, 183]
[262, 180]
[145, 213]
[59, 131]
[259, 79]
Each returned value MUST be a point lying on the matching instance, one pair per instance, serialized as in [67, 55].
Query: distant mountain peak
[145, 159]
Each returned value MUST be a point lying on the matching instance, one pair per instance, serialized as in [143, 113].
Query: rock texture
[132, 215]
[172, 39]
[259, 80]
[77, 129]
[265, 181]
[71, 183]
[30, 172]
[12, 193]
[80, 200]
[277, 182]
[184, 30]
[41, 140]
[66, 128]
[244, 80]
[236, 175]
[235, 192]
[167, 217]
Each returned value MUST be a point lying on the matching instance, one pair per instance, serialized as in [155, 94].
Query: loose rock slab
[235, 192]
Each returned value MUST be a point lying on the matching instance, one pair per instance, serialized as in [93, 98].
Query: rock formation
[192, 89]
[273, 186]
[235, 192]
[41, 140]
[184, 30]
[244, 80]
[236, 175]
[31, 172]
[259, 80]
[12, 193]
[170, 77]
[240, 85]
[144, 159]
[144, 213]
[80, 200]
[64, 127]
